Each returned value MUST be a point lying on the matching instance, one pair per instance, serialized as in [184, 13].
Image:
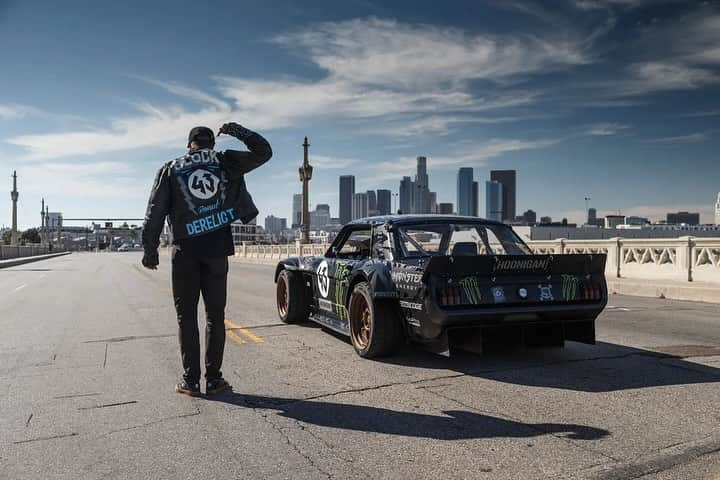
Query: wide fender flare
[379, 279]
[291, 264]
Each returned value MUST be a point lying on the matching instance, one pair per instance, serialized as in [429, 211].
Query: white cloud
[437, 124]
[374, 68]
[690, 138]
[682, 54]
[650, 77]
[705, 113]
[388, 53]
[152, 127]
[331, 162]
[595, 4]
[606, 129]
[84, 180]
[14, 111]
[471, 154]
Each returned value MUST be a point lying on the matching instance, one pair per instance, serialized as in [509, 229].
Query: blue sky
[618, 100]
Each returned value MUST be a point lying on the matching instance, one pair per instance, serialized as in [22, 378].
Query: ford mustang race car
[441, 280]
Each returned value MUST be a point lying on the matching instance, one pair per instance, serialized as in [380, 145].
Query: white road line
[20, 287]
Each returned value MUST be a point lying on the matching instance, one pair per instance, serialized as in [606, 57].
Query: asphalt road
[89, 357]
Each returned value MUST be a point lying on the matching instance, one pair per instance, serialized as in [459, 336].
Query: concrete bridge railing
[685, 259]
[8, 252]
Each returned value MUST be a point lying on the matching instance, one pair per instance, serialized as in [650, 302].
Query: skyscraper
[683, 217]
[592, 216]
[407, 190]
[296, 211]
[494, 200]
[359, 206]
[384, 202]
[372, 202]
[347, 191]
[717, 210]
[275, 225]
[475, 199]
[320, 216]
[508, 180]
[529, 217]
[422, 188]
[432, 198]
[465, 191]
[445, 208]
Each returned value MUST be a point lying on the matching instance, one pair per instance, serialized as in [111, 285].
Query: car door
[333, 274]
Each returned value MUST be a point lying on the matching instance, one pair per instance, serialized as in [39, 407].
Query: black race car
[438, 280]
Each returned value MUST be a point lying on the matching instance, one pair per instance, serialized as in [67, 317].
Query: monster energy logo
[471, 288]
[570, 284]
[342, 272]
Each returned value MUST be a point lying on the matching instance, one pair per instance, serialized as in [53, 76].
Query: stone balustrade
[8, 252]
[686, 258]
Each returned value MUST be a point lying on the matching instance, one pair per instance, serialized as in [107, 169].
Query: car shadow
[451, 425]
[604, 367]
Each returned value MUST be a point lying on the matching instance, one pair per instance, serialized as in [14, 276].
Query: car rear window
[459, 240]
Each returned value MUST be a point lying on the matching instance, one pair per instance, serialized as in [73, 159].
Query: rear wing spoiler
[580, 264]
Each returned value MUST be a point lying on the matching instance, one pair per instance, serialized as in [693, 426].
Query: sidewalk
[671, 289]
[23, 260]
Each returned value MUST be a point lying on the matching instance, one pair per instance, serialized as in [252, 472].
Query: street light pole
[305, 175]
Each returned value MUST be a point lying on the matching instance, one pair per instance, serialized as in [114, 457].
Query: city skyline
[573, 94]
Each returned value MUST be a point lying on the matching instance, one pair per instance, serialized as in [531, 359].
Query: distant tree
[6, 237]
[30, 235]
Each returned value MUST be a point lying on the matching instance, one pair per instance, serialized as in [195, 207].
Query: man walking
[201, 193]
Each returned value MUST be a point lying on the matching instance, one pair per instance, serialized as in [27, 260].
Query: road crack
[288, 440]
[52, 437]
[667, 458]
[155, 422]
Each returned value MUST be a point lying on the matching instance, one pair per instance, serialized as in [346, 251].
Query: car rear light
[451, 295]
[591, 290]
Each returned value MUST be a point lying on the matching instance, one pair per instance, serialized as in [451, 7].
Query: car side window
[382, 249]
[356, 245]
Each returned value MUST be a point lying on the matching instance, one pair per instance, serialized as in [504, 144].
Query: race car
[441, 280]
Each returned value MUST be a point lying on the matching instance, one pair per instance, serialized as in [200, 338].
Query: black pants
[190, 277]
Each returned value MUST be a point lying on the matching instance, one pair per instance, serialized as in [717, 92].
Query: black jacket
[203, 191]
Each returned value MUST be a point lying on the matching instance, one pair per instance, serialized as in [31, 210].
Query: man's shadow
[452, 425]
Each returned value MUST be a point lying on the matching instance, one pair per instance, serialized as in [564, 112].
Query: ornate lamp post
[14, 194]
[305, 176]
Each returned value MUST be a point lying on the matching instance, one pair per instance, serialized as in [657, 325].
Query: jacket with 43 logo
[204, 190]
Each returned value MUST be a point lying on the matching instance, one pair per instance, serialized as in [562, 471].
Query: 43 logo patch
[203, 184]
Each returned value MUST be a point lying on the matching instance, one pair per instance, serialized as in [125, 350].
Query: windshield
[459, 239]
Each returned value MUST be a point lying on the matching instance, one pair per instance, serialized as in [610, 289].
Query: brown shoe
[188, 389]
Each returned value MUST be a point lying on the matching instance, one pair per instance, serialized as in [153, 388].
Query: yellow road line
[235, 337]
[244, 331]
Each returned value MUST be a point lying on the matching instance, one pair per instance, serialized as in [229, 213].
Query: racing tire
[291, 297]
[374, 326]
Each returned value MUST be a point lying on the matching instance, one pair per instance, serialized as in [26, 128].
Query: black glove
[150, 260]
[236, 130]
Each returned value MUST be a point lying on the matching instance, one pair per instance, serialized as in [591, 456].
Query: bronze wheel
[291, 297]
[374, 326]
[360, 321]
[281, 295]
